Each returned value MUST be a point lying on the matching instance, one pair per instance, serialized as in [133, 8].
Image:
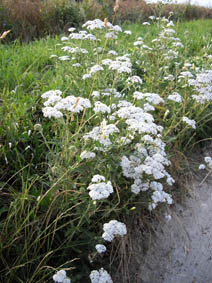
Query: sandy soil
[181, 248]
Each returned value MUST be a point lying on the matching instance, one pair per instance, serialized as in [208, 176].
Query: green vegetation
[116, 120]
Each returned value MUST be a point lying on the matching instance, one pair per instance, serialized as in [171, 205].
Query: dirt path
[181, 251]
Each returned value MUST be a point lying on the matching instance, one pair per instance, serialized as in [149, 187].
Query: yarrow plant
[119, 118]
[95, 127]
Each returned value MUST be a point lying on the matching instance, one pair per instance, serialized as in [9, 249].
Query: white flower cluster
[96, 68]
[128, 32]
[138, 42]
[98, 24]
[202, 167]
[135, 80]
[176, 97]
[73, 50]
[144, 165]
[159, 195]
[185, 75]
[101, 107]
[101, 248]
[99, 189]
[107, 92]
[112, 52]
[153, 98]
[203, 86]
[167, 43]
[82, 35]
[149, 160]
[100, 276]
[87, 155]
[189, 122]
[64, 58]
[60, 277]
[121, 64]
[146, 23]
[111, 35]
[138, 120]
[55, 104]
[102, 134]
[112, 229]
[208, 161]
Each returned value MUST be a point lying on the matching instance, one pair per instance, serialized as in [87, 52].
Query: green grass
[47, 219]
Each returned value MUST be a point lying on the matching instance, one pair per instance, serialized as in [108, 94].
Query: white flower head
[117, 28]
[101, 107]
[101, 248]
[98, 178]
[138, 42]
[111, 35]
[95, 93]
[50, 112]
[60, 277]
[50, 93]
[135, 79]
[99, 189]
[64, 38]
[71, 29]
[100, 276]
[208, 161]
[152, 18]
[128, 32]
[64, 58]
[146, 24]
[86, 76]
[73, 104]
[189, 122]
[87, 155]
[112, 229]
[102, 134]
[96, 68]
[113, 52]
[176, 97]
[96, 24]
[202, 167]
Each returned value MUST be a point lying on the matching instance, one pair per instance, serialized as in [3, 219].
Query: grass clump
[90, 124]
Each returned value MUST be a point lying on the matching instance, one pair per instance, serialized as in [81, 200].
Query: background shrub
[33, 19]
